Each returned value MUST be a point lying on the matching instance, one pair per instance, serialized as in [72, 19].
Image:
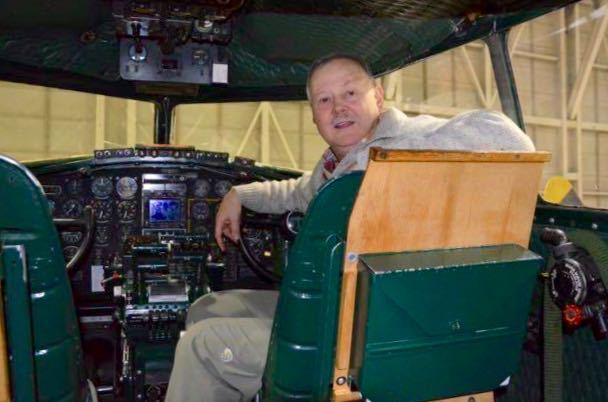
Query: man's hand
[228, 219]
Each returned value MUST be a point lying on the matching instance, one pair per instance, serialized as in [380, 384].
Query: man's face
[345, 104]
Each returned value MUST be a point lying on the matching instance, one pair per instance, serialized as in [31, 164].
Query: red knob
[572, 315]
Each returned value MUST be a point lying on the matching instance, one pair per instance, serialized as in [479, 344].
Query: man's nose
[339, 107]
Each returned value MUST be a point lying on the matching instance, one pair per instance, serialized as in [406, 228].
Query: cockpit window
[253, 130]
[45, 123]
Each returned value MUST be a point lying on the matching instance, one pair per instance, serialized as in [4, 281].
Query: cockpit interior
[136, 226]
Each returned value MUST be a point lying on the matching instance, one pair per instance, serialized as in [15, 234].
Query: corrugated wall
[39, 123]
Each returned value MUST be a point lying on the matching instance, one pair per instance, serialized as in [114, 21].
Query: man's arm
[275, 196]
[486, 130]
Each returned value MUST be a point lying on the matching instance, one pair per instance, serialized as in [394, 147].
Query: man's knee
[236, 303]
[195, 341]
[197, 372]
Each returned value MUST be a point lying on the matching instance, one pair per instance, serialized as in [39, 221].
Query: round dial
[101, 187]
[74, 187]
[126, 187]
[201, 188]
[200, 210]
[127, 210]
[102, 235]
[69, 252]
[222, 187]
[72, 208]
[71, 237]
[103, 210]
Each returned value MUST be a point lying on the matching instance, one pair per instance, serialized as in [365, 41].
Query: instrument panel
[134, 201]
[146, 192]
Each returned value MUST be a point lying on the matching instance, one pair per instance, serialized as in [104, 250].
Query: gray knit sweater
[473, 131]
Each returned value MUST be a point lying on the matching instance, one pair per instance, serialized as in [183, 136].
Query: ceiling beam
[596, 37]
[473, 75]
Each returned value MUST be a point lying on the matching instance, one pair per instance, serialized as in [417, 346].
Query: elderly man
[222, 355]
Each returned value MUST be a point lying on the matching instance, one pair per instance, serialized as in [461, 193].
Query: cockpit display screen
[165, 210]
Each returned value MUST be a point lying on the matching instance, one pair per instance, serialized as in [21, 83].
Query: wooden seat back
[417, 200]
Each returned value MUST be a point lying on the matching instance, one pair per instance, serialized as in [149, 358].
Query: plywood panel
[416, 200]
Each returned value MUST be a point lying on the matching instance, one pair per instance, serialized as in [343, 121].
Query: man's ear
[379, 94]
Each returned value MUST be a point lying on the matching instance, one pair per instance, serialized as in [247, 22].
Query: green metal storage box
[440, 323]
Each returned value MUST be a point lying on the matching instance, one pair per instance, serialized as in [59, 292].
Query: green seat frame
[301, 354]
[46, 361]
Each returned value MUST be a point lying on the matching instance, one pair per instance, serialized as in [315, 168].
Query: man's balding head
[345, 100]
[320, 62]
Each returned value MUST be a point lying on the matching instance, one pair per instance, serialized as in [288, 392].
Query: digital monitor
[165, 210]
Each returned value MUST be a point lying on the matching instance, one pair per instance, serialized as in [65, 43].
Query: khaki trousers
[221, 356]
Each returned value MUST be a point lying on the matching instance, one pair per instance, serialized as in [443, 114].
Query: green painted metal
[19, 325]
[301, 353]
[25, 221]
[71, 163]
[504, 77]
[443, 317]
[272, 47]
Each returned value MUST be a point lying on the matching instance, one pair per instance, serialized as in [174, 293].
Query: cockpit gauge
[71, 237]
[102, 235]
[74, 187]
[201, 188]
[72, 208]
[69, 252]
[126, 187]
[222, 187]
[103, 210]
[199, 210]
[127, 210]
[101, 187]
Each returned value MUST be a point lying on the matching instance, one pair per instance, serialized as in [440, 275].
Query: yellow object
[556, 189]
